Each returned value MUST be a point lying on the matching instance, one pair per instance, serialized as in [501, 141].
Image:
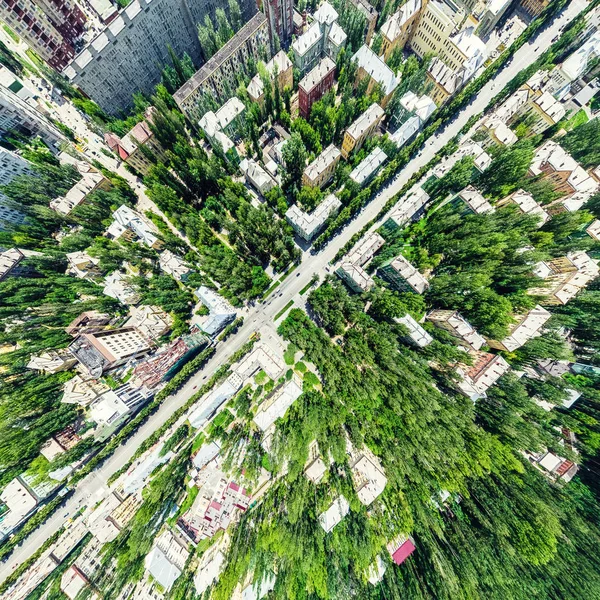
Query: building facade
[50, 27]
[280, 15]
[11, 165]
[321, 170]
[219, 76]
[315, 85]
[396, 31]
[361, 129]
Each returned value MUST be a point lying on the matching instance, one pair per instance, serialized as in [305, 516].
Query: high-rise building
[280, 15]
[222, 74]
[11, 165]
[128, 55]
[51, 27]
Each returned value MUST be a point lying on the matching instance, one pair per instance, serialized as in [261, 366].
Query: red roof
[403, 552]
[234, 486]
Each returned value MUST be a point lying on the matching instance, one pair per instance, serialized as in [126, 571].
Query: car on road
[194, 387]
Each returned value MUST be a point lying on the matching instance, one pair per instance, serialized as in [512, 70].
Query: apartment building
[83, 266]
[118, 286]
[543, 112]
[492, 131]
[321, 170]
[219, 126]
[563, 172]
[255, 175]
[410, 117]
[334, 514]
[476, 379]
[52, 361]
[129, 225]
[280, 16]
[279, 64]
[403, 276]
[221, 313]
[407, 208]
[323, 38]
[166, 559]
[315, 85]
[533, 8]
[415, 333]
[18, 115]
[474, 203]
[307, 225]
[351, 270]
[50, 27]
[524, 328]
[564, 277]
[362, 129]
[11, 165]
[370, 15]
[372, 67]
[439, 21]
[368, 475]
[526, 204]
[444, 81]
[368, 167]
[173, 265]
[396, 31]
[79, 193]
[98, 352]
[129, 148]
[219, 76]
[481, 158]
[457, 326]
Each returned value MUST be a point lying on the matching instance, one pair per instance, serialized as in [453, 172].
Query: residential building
[88, 321]
[416, 334]
[18, 115]
[83, 266]
[127, 55]
[314, 468]
[78, 575]
[323, 38]
[221, 313]
[78, 194]
[20, 502]
[481, 158]
[525, 328]
[320, 171]
[473, 201]
[52, 361]
[208, 405]
[129, 148]
[115, 405]
[210, 568]
[72, 582]
[351, 270]
[533, 88]
[563, 278]
[464, 51]
[307, 225]
[167, 558]
[563, 76]
[118, 286]
[401, 548]
[82, 390]
[174, 266]
[362, 129]
[402, 276]
[492, 131]
[372, 67]
[368, 475]
[167, 361]
[553, 466]
[137, 476]
[206, 454]
[259, 589]
[457, 326]
[315, 85]
[410, 117]
[98, 352]
[13, 263]
[51, 28]
[218, 139]
[542, 112]
[533, 8]
[376, 571]
[129, 225]
[476, 379]
[443, 80]
[407, 208]
[563, 172]
[11, 165]
[439, 21]
[334, 514]
[219, 76]
[280, 16]
[368, 167]
[261, 358]
[370, 15]
[276, 405]
[279, 64]
[257, 176]
[396, 31]
[526, 205]
[152, 321]
[489, 16]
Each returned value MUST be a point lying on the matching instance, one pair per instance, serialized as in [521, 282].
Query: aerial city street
[299, 299]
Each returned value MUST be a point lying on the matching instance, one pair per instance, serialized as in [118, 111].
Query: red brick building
[315, 85]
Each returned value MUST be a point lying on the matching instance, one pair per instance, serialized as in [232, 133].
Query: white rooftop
[392, 28]
[373, 114]
[416, 333]
[334, 514]
[526, 328]
[322, 162]
[377, 69]
[368, 166]
[317, 74]
[275, 407]
[364, 250]
[410, 274]
[310, 223]
[475, 201]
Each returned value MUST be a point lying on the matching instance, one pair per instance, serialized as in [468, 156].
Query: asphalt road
[260, 316]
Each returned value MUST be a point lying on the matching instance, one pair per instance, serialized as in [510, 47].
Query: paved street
[260, 317]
